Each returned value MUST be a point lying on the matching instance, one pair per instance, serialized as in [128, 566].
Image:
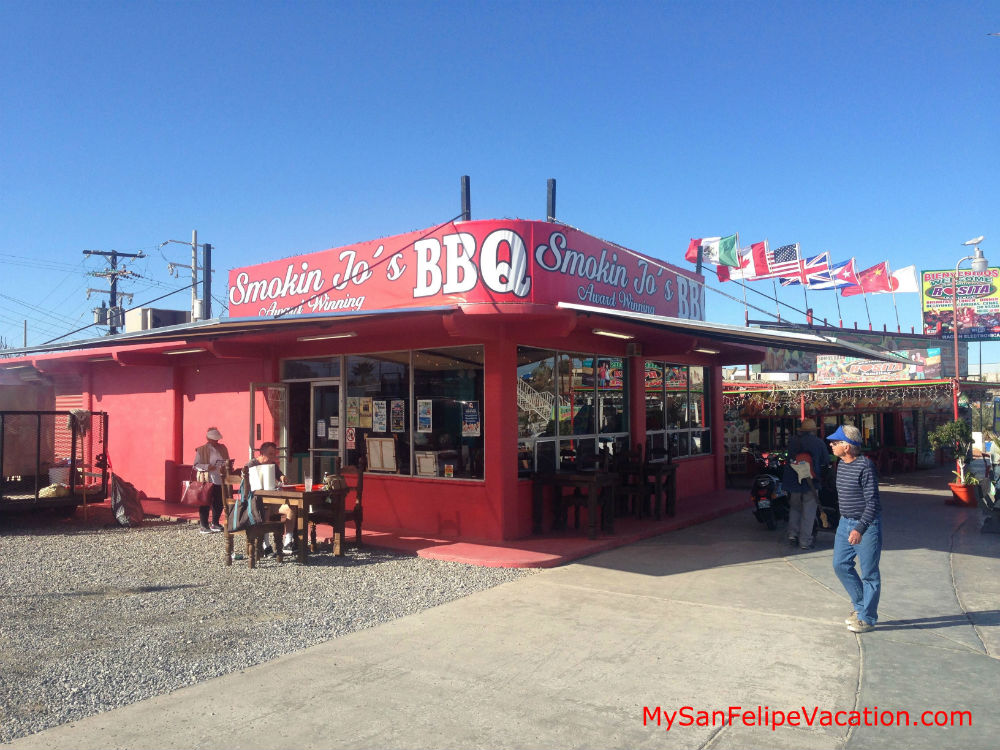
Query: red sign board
[468, 262]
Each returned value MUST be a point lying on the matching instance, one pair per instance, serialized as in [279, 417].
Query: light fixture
[341, 335]
[109, 358]
[612, 334]
[18, 367]
[185, 351]
[706, 350]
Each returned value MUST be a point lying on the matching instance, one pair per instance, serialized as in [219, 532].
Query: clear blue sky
[863, 128]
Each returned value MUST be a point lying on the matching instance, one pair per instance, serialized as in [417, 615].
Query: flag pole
[777, 307]
[805, 294]
[840, 315]
[864, 295]
[899, 328]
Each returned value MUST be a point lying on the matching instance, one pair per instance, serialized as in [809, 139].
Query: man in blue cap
[859, 534]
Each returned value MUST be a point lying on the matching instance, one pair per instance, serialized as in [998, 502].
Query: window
[377, 394]
[569, 407]
[677, 410]
[448, 394]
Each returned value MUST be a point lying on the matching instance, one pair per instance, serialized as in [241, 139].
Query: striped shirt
[857, 492]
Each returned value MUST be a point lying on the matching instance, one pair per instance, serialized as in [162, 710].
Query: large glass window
[677, 410]
[414, 412]
[377, 397]
[448, 393]
[570, 406]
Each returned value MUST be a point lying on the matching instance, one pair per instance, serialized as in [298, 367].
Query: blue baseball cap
[839, 435]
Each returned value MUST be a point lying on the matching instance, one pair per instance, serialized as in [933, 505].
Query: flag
[871, 281]
[745, 270]
[905, 280]
[812, 271]
[842, 274]
[769, 264]
[720, 251]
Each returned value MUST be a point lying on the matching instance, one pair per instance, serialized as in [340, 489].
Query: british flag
[812, 271]
[769, 264]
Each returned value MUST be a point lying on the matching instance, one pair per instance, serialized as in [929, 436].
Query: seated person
[269, 455]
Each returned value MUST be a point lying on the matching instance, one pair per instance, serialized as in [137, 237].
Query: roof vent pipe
[550, 204]
[466, 204]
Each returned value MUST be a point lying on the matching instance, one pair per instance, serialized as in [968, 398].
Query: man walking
[802, 497]
[859, 534]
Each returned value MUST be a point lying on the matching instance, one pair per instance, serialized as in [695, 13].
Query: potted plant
[958, 436]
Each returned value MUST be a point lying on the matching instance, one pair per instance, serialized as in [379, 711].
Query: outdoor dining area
[311, 505]
[630, 484]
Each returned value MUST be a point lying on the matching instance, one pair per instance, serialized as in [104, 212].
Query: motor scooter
[770, 500]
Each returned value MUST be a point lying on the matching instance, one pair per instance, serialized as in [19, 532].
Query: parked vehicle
[770, 500]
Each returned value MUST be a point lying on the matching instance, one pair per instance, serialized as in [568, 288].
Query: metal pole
[954, 331]
[113, 312]
[194, 275]
[206, 281]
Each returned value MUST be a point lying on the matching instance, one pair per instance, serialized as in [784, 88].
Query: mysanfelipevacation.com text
[802, 716]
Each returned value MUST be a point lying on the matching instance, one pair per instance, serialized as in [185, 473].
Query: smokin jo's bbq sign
[488, 262]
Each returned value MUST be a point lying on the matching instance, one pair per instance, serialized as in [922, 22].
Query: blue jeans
[865, 589]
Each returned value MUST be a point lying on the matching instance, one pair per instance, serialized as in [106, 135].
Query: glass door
[269, 419]
[325, 427]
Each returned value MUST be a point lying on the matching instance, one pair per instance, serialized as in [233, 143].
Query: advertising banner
[924, 363]
[468, 262]
[978, 303]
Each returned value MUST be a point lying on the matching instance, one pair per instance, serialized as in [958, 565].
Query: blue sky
[861, 128]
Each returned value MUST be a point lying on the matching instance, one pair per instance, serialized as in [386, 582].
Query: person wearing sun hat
[859, 534]
[802, 498]
[211, 459]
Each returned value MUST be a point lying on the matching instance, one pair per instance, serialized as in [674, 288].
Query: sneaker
[792, 541]
[267, 551]
[859, 626]
[204, 529]
[851, 618]
[807, 546]
[215, 528]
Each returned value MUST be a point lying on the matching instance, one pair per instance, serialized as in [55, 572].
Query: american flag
[784, 261]
[813, 271]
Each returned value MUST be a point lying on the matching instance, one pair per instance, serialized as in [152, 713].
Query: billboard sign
[978, 303]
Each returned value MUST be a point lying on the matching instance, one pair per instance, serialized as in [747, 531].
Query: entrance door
[269, 419]
[325, 428]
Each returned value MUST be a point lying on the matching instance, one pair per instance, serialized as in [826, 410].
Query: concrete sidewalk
[708, 617]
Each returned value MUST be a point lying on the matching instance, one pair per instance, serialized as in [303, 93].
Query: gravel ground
[94, 616]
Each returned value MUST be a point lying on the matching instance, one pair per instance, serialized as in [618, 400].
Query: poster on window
[424, 421]
[378, 416]
[471, 423]
[365, 422]
[353, 411]
[397, 415]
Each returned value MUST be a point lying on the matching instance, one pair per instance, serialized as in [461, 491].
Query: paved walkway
[711, 616]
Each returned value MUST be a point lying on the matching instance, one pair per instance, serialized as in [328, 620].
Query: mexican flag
[720, 251]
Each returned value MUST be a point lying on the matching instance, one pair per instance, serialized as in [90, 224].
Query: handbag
[197, 491]
[247, 511]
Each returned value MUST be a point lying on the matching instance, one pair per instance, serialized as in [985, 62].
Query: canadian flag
[747, 269]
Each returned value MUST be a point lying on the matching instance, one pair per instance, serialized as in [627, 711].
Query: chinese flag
[874, 279]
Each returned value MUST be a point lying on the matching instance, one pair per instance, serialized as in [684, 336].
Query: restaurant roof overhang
[749, 339]
[243, 337]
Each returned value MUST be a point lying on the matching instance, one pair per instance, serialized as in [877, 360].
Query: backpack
[802, 465]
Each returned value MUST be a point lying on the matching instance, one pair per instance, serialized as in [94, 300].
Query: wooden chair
[356, 514]
[633, 490]
[255, 535]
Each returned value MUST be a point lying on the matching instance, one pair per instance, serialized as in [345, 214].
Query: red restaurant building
[460, 359]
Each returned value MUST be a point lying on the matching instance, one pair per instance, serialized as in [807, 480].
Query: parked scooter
[770, 500]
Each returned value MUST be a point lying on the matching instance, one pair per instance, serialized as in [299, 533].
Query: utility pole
[205, 310]
[114, 312]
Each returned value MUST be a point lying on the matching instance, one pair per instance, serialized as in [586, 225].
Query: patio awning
[721, 332]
